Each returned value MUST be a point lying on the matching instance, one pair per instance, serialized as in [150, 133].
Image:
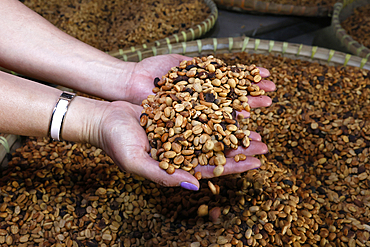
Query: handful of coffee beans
[191, 120]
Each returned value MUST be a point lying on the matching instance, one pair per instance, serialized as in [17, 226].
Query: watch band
[59, 113]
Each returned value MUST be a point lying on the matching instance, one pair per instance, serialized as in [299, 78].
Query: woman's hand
[141, 82]
[126, 142]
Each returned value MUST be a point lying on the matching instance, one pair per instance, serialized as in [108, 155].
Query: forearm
[26, 109]
[34, 47]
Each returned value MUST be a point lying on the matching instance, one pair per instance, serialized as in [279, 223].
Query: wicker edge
[265, 7]
[246, 44]
[346, 40]
[190, 34]
[7, 145]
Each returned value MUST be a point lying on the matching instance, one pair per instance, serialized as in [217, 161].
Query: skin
[43, 52]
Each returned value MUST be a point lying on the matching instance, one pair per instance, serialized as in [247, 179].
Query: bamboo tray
[265, 7]
[341, 12]
[191, 34]
[8, 143]
[246, 44]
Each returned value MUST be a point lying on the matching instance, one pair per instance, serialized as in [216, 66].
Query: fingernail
[189, 186]
[255, 168]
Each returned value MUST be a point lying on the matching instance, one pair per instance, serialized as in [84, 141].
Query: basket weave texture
[267, 7]
[6, 143]
[341, 12]
[250, 45]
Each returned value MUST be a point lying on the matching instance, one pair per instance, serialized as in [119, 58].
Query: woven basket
[8, 144]
[265, 7]
[191, 34]
[246, 44]
[342, 12]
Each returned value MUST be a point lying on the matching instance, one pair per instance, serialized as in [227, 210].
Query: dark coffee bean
[147, 235]
[288, 182]
[137, 234]
[92, 243]
[180, 78]
[156, 80]
[321, 78]
[209, 97]
[190, 66]
[80, 212]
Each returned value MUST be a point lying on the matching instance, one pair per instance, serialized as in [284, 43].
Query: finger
[181, 57]
[167, 62]
[231, 167]
[255, 148]
[259, 101]
[256, 102]
[267, 85]
[264, 72]
[245, 114]
[136, 109]
[153, 172]
[255, 136]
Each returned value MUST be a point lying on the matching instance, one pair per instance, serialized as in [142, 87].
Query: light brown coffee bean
[164, 165]
[218, 170]
[170, 154]
[203, 210]
[198, 175]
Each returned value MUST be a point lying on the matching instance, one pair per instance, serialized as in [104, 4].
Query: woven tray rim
[247, 44]
[264, 7]
[341, 34]
[6, 143]
[190, 34]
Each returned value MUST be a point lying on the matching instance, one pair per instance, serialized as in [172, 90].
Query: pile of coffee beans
[191, 120]
[357, 25]
[113, 24]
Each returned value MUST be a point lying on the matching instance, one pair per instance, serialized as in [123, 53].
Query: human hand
[141, 82]
[126, 142]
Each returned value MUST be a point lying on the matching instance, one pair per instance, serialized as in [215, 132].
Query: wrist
[108, 79]
[117, 84]
[82, 120]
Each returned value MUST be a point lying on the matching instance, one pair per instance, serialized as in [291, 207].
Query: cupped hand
[141, 81]
[125, 141]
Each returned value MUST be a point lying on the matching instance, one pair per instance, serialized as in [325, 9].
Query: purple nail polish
[189, 186]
